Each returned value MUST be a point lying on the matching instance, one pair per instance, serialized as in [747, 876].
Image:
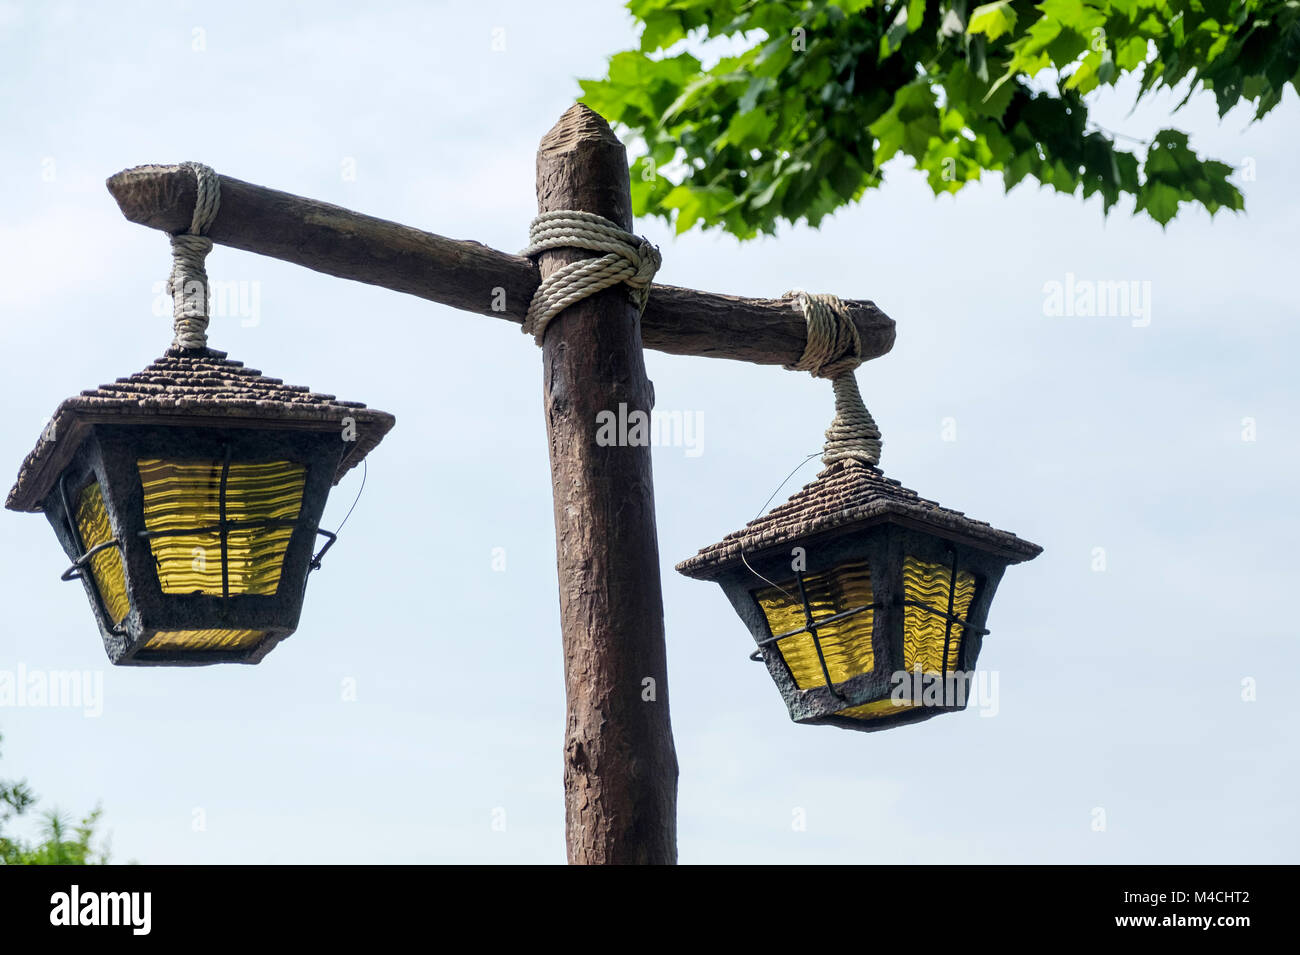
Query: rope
[188, 283]
[834, 351]
[627, 258]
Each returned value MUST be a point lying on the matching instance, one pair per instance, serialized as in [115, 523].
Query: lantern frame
[853, 513]
[111, 458]
[191, 405]
[884, 547]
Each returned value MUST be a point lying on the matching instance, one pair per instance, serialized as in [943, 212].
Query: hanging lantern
[188, 496]
[867, 602]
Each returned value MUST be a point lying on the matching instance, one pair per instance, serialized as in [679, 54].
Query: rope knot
[625, 258]
[648, 260]
[834, 350]
[833, 344]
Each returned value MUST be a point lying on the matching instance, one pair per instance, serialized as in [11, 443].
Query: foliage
[815, 96]
[61, 842]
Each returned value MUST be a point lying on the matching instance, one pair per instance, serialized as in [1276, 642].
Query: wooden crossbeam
[463, 274]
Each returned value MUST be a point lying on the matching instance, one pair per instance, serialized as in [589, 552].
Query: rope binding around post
[625, 258]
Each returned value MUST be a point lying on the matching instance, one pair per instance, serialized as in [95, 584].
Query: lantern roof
[183, 387]
[851, 494]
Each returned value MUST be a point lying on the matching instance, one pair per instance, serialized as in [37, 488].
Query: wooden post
[620, 768]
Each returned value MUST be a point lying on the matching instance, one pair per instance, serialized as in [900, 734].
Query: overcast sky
[1152, 455]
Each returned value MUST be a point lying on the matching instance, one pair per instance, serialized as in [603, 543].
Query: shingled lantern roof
[183, 387]
[850, 495]
[188, 497]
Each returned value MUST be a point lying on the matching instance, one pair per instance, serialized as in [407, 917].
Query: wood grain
[620, 767]
[461, 273]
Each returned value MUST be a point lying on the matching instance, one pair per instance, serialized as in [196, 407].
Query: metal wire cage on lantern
[867, 602]
[188, 496]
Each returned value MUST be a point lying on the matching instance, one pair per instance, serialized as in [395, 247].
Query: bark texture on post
[620, 768]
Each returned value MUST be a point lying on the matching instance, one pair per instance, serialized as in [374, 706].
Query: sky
[417, 715]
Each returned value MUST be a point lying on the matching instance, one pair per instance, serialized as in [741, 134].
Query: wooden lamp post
[620, 767]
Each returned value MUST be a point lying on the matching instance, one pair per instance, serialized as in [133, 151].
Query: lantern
[867, 602]
[188, 496]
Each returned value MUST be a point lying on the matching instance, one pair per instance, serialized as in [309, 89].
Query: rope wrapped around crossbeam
[626, 258]
[834, 350]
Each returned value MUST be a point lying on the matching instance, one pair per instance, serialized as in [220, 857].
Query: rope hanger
[834, 351]
[188, 283]
[191, 300]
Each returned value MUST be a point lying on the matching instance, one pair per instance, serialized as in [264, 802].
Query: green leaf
[1131, 53]
[1073, 15]
[895, 35]
[749, 130]
[758, 85]
[908, 125]
[968, 93]
[848, 177]
[853, 6]
[691, 205]
[992, 19]
[1086, 75]
[1106, 71]
[1160, 201]
[662, 29]
[772, 191]
[915, 14]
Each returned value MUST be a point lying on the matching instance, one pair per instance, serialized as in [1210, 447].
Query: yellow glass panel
[204, 639]
[876, 709]
[186, 495]
[923, 632]
[106, 566]
[846, 644]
